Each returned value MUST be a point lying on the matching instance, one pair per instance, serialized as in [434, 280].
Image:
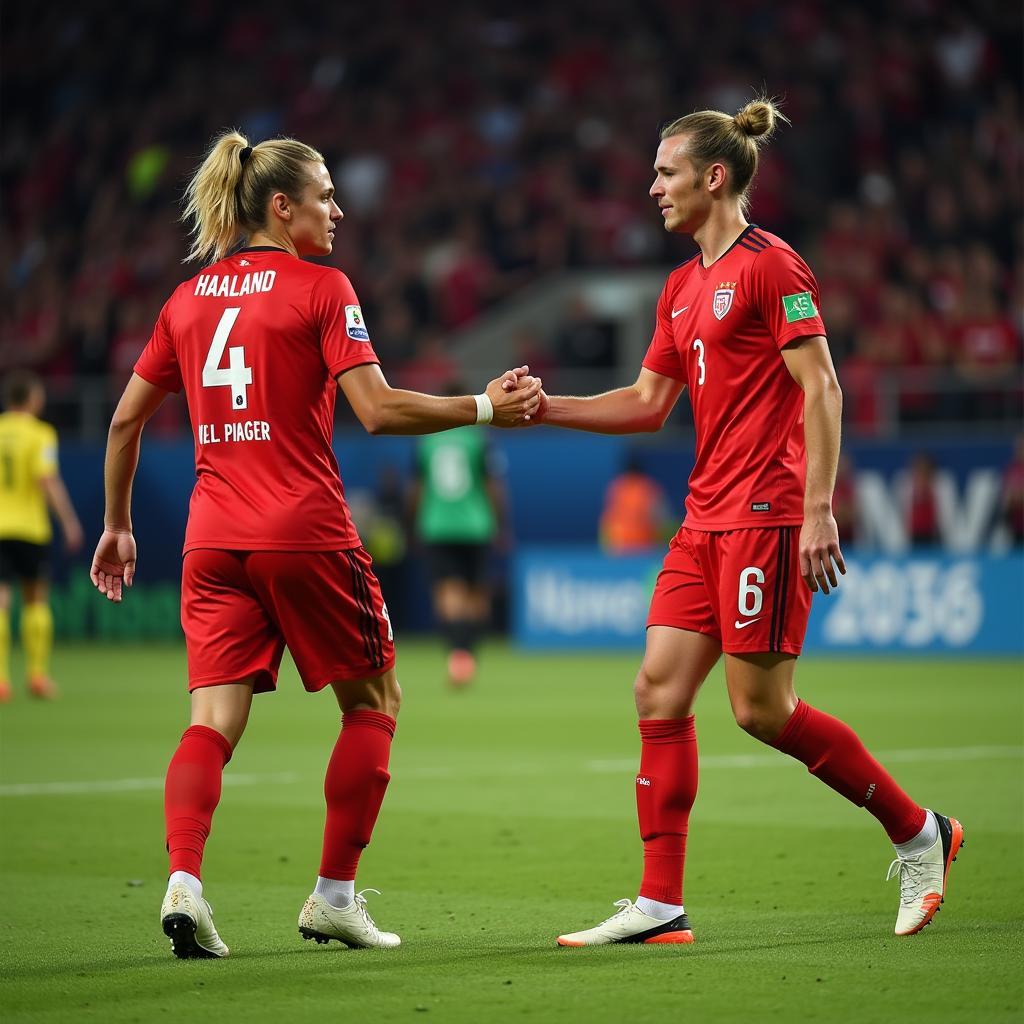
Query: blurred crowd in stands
[929, 506]
[475, 152]
[925, 498]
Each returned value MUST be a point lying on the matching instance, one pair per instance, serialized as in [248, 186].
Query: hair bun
[757, 118]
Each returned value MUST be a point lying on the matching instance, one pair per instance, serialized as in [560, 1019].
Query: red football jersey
[721, 329]
[256, 341]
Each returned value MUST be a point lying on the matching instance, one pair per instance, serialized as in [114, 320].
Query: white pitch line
[129, 785]
[924, 754]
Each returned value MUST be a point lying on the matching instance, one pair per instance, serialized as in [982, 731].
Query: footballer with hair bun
[739, 325]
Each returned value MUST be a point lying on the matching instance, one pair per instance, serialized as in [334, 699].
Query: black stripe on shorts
[368, 625]
[786, 537]
[372, 621]
[775, 596]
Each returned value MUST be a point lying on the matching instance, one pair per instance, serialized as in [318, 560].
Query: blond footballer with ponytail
[227, 197]
[714, 135]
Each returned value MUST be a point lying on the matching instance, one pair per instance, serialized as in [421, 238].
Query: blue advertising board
[924, 603]
[579, 598]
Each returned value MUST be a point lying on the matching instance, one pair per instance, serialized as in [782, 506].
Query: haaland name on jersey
[246, 430]
[215, 286]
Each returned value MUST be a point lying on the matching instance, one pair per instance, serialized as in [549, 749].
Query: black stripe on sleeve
[741, 240]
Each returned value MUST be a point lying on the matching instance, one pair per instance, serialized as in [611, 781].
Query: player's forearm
[123, 443]
[623, 411]
[409, 412]
[823, 410]
[59, 500]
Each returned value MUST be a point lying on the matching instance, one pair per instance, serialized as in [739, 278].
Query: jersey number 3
[237, 375]
[698, 347]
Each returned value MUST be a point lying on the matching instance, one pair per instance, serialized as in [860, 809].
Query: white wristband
[484, 408]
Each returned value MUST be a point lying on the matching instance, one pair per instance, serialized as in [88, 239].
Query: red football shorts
[239, 610]
[742, 587]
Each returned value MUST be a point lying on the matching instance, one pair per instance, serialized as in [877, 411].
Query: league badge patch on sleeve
[798, 307]
[354, 326]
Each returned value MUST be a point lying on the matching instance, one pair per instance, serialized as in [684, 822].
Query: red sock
[665, 790]
[357, 777]
[191, 794]
[834, 753]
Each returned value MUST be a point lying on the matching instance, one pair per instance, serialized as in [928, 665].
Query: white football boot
[631, 924]
[352, 925]
[923, 877]
[187, 920]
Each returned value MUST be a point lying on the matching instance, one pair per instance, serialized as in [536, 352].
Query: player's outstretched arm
[810, 365]
[642, 407]
[113, 564]
[59, 500]
[383, 409]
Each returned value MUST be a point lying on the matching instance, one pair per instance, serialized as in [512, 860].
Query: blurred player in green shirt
[459, 515]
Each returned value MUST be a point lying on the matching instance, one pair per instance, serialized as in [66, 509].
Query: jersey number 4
[237, 375]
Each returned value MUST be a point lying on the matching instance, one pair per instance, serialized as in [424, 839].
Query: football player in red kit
[260, 341]
[739, 326]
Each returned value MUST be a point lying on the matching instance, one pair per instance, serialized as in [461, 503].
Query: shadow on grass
[430, 956]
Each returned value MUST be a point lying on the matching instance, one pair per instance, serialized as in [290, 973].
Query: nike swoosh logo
[676, 312]
[743, 625]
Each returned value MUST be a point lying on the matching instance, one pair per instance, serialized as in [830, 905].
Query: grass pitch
[510, 819]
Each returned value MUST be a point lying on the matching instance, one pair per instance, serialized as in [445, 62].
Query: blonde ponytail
[226, 198]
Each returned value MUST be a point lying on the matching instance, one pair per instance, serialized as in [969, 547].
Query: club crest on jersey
[722, 302]
[354, 326]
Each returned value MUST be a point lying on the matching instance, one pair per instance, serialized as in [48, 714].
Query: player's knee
[651, 690]
[384, 695]
[643, 693]
[230, 725]
[393, 698]
[759, 720]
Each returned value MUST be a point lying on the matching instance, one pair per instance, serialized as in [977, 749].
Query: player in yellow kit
[30, 486]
